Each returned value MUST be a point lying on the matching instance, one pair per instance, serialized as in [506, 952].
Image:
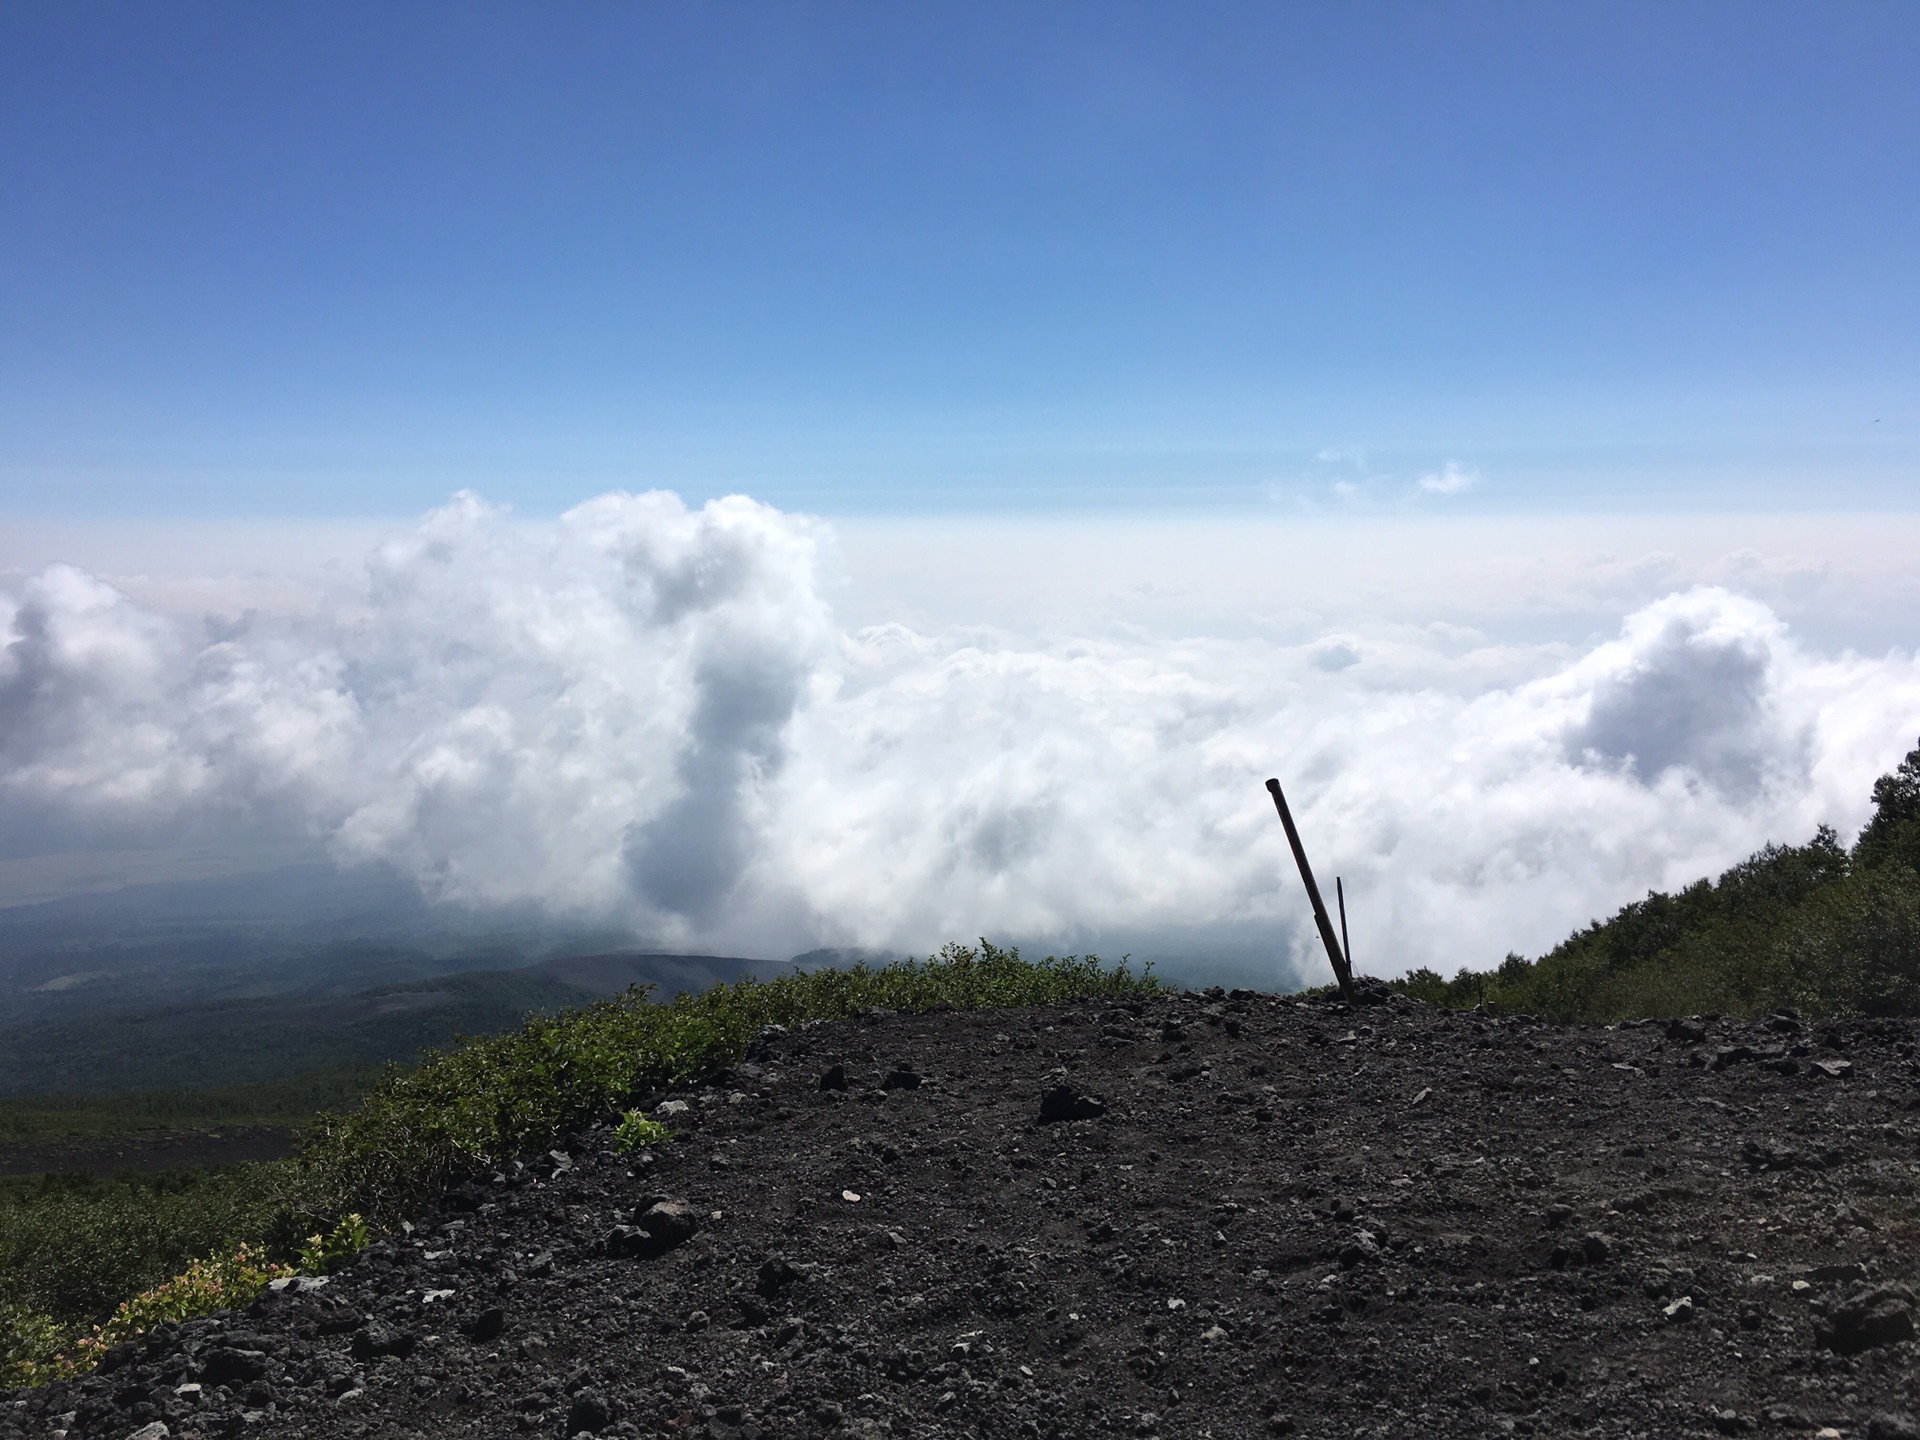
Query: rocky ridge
[1197, 1215]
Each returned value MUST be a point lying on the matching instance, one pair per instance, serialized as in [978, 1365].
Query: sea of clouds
[678, 720]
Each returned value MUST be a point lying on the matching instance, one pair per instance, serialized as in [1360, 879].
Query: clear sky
[873, 259]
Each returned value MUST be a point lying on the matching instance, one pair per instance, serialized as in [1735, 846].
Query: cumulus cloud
[1688, 689]
[1451, 479]
[651, 714]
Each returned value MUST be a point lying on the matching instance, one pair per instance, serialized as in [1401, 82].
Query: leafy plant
[324, 1253]
[636, 1132]
[222, 1282]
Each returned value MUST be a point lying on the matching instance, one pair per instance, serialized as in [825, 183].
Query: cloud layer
[651, 714]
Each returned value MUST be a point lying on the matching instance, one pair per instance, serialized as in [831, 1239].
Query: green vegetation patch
[1814, 927]
[41, 1119]
[73, 1248]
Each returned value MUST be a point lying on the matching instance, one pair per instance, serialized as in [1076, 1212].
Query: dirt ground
[1203, 1215]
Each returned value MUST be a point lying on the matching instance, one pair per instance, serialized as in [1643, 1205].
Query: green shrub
[636, 1132]
[39, 1351]
[29, 1344]
[1814, 926]
[324, 1253]
[73, 1246]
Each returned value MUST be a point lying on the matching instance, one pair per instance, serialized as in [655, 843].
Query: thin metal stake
[1341, 895]
[1341, 970]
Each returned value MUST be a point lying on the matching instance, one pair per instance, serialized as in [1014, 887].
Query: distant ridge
[248, 1040]
[613, 972]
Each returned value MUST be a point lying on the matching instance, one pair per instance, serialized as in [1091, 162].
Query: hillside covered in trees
[1815, 927]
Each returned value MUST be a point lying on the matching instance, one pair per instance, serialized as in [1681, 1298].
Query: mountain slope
[1283, 1217]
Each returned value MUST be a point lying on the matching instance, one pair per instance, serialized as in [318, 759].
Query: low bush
[635, 1132]
[40, 1350]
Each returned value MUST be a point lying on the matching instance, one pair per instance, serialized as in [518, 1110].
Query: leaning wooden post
[1341, 971]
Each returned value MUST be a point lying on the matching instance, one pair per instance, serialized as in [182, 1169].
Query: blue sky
[886, 259]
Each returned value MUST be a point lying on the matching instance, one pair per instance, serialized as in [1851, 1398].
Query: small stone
[589, 1413]
[153, 1430]
[1557, 1215]
[665, 1225]
[488, 1323]
[1213, 1334]
[1847, 1274]
[698, 1320]
[1420, 1099]
[1063, 1102]
[901, 1077]
[852, 1197]
[834, 1077]
[227, 1366]
[1595, 1247]
[1868, 1319]
[1834, 1069]
[667, 1109]
[1680, 1311]
[776, 1274]
[379, 1340]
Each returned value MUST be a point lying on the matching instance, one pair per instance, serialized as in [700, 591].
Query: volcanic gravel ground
[1271, 1217]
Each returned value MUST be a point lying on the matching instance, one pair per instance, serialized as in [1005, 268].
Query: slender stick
[1341, 972]
[1340, 894]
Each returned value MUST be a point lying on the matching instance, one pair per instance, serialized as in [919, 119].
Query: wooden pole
[1341, 971]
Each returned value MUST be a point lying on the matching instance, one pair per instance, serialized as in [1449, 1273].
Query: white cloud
[651, 713]
[1452, 479]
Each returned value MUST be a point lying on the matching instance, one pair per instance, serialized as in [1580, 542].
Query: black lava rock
[1063, 1102]
[229, 1366]
[1879, 1315]
[589, 1413]
[378, 1341]
[666, 1225]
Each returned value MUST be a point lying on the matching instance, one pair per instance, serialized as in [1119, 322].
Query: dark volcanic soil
[1290, 1218]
